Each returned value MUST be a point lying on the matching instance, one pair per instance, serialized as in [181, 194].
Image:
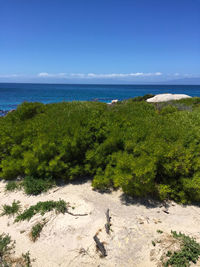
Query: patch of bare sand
[68, 241]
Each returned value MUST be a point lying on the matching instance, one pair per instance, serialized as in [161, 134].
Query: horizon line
[52, 83]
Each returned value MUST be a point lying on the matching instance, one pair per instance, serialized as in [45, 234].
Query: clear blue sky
[99, 40]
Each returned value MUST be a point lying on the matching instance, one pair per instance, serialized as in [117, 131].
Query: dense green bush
[33, 186]
[28, 110]
[143, 148]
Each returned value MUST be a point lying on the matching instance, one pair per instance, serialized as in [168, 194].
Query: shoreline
[13, 94]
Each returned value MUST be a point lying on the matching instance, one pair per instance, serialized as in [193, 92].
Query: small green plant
[27, 260]
[42, 207]
[7, 246]
[34, 186]
[11, 210]
[12, 185]
[153, 243]
[159, 231]
[36, 230]
[189, 252]
[169, 253]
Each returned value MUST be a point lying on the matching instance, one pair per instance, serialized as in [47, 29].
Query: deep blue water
[12, 94]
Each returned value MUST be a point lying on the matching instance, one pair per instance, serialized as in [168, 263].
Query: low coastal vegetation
[36, 230]
[189, 251]
[11, 209]
[143, 148]
[7, 257]
[42, 207]
[12, 186]
[177, 249]
[34, 186]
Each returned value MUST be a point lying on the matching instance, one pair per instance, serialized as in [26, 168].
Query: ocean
[13, 94]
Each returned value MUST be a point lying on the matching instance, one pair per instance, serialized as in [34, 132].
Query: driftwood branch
[84, 214]
[166, 211]
[108, 224]
[100, 246]
[74, 214]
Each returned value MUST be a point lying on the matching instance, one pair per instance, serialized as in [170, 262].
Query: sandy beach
[67, 240]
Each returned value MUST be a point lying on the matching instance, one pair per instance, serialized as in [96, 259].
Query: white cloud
[120, 75]
[43, 74]
[77, 75]
[96, 75]
[9, 75]
[187, 75]
[46, 74]
[176, 74]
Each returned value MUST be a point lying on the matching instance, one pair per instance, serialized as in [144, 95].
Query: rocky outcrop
[166, 97]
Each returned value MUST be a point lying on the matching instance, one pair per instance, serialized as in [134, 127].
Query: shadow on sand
[77, 181]
[147, 202]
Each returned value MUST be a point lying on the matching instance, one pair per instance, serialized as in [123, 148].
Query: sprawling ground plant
[189, 252]
[143, 148]
[42, 207]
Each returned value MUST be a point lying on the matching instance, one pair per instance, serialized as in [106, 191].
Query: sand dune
[68, 240]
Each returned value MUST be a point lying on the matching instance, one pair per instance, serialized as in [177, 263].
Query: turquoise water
[12, 94]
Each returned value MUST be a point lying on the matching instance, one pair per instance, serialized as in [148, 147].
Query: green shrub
[142, 98]
[36, 230]
[33, 186]
[189, 252]
[12, 185]
[42, 207]
[191, 187]
[194, 101]
[164, 191]
[102, 181]
[11, 210]
[26, 259]
[28, 110]
[6, 247]
[7, 258]
[143, 148]
[168, 109]
[11, 168]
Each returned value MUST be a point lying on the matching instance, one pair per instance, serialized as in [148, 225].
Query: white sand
[68, 241]
[166, 97]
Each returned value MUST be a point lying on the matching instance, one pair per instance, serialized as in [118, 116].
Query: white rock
[166, 97]
[114, 101]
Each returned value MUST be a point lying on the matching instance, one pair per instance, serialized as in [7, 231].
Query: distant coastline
[13, 94]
